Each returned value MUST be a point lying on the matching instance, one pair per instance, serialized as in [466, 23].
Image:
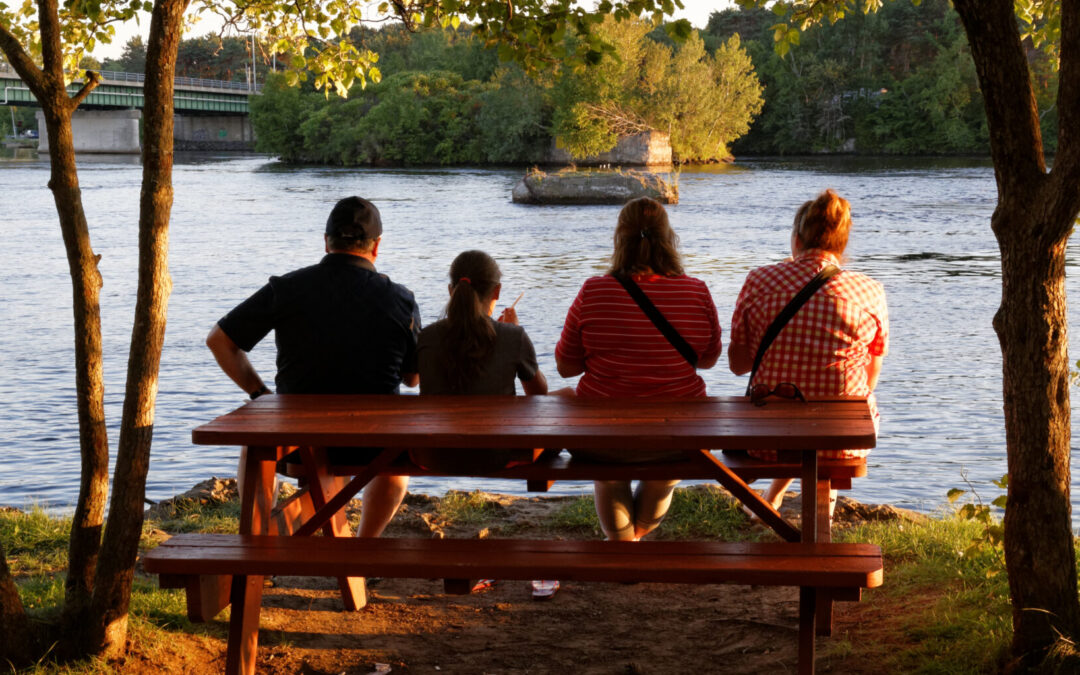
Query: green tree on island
[702, 101]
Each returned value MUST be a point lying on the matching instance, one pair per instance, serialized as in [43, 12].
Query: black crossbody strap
[784, 316]
[662, 324]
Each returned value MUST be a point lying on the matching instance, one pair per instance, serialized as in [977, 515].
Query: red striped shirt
[623, 353]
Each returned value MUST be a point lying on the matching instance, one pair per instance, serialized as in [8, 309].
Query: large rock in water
[649, 148]
[592, 187]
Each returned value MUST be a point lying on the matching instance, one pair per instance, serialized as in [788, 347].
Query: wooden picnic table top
[543, 421]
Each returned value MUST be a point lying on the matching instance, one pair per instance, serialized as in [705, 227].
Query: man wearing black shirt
[340, 328]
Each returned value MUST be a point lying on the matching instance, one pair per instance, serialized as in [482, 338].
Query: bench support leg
[824, 535]
[244, 625]
[207, 595]
[807, 611]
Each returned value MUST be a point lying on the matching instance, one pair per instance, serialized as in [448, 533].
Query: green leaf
[1003, 482]
[1000, 501]
[954, 494]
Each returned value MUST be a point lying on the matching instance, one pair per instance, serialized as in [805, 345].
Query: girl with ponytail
[468, 352]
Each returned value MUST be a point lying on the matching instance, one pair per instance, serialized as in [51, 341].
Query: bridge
[210, 114]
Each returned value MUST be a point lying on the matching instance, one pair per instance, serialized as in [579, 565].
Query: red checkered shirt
[825, 348]
[624, 354]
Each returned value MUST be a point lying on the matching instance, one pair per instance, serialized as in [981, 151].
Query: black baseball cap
[354, 218]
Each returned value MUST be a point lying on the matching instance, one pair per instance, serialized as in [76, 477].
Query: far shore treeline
[899, 81]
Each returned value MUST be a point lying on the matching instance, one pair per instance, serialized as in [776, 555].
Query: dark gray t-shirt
[514, 357]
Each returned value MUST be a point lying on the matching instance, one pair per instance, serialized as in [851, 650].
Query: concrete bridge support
[99, 131]
[213, 132]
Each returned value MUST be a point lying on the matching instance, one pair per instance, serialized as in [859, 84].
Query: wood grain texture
[543, 421]
[780, 564]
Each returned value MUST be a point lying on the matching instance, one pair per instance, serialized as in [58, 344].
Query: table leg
[257, 488]
[810, 497]
[322, 487]
[824, 535]
[816, 528]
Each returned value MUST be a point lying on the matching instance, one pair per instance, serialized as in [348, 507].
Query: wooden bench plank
[825, 565]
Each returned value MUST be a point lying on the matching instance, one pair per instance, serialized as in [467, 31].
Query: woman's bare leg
[777, 488]
[382, 497]
[652, 498]
[615, 509]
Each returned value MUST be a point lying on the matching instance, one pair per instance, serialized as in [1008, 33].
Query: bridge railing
[118, 76]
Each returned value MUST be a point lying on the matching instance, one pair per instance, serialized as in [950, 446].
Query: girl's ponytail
[470, 337]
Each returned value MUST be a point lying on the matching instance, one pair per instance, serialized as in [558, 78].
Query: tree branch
[52, 50]
[21, 61]
[1011, 113]
[93, 79]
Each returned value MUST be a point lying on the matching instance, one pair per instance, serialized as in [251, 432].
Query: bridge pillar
[99, 131]
[213, 132]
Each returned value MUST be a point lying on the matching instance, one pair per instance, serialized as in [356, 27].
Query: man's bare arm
[233, 360]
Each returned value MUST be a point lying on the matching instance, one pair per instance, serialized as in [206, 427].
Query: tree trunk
[1031, 327]
[1032, 223]
[16, 646]
[112, 592]
[85, 537]
[47, 85]
[49, 88]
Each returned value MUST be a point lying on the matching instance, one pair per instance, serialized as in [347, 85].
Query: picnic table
[273, 426]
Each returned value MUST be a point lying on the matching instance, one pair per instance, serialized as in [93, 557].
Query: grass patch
[189, 515]
[466, 508]
[704, 512]
[35, 542]
[578, 515]
[950, 609]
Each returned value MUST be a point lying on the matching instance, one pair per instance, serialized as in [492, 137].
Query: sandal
[544, 589]
[483, 585]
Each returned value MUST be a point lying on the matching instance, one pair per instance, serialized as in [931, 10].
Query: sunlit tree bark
[1035, 214]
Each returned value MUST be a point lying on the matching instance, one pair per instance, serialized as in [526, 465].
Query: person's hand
[509, 315]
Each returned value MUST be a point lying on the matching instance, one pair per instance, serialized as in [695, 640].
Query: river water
[921, 228]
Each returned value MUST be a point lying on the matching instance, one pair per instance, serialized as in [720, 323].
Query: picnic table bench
[273, 426]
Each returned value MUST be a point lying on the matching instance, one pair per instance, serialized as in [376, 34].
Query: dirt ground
[411, 626]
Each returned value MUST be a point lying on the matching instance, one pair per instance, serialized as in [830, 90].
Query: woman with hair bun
[619, 351]
[835, 343]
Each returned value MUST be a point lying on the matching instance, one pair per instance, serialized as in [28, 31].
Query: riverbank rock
[592, 187]
[212, 491]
